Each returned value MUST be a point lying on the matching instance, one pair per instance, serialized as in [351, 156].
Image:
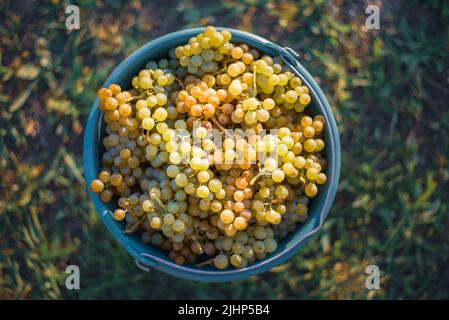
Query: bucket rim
[144, 259]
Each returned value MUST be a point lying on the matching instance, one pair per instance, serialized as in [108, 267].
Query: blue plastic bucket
[148, 256]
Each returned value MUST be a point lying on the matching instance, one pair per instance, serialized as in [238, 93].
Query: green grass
[388, 88]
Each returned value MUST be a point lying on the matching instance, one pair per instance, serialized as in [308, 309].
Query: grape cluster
[207, 201]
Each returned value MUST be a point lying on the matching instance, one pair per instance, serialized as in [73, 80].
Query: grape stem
[125, 205]
[134, 226]
[277, 201]
[220, 127]
[253, 180]
[267, 206]
[225, 66]
[159, 202]
[179, 82]
[136, 97]
[204, 263]
[149, 92]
